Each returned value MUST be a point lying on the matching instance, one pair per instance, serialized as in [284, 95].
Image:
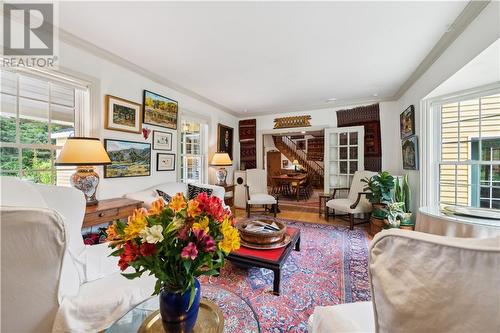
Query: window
[469, 161]
[193, 152]
[37, 116]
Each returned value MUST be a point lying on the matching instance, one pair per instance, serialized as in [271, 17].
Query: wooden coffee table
[270, 259]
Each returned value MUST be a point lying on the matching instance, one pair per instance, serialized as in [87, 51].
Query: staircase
[288, 148]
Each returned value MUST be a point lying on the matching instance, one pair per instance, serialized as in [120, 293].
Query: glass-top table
[239, 316]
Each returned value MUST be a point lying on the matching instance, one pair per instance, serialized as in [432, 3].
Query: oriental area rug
[331, 268]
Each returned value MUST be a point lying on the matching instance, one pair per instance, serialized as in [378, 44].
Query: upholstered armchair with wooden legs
[356, 201]
[256, 192]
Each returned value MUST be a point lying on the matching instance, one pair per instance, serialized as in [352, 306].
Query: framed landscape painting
[159, 110]
[128, 159]
[410, 153]
[407, 122]
[122, 115]
[162, 140]
[165, 162]
[225, 140]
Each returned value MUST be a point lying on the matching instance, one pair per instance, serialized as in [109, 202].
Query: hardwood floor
[299, 216]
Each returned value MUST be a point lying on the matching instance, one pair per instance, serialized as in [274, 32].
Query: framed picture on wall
[284, 164]
[409, 147]
[128, 158]
[159, 110]
[225, 140]
[122, 115]
[407, 122]
[165, 162]
[162, 140]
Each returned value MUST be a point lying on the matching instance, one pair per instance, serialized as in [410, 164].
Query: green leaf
[187, 265]
[131, 276]
[192, 293]
[116, 253]
[157, 287]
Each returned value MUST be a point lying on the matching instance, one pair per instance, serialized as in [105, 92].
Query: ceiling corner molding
[85, 45]
[311, 107]
[468, 14]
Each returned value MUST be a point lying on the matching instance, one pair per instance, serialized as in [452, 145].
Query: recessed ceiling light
[333, 99]
[375, 95]
[303, 132]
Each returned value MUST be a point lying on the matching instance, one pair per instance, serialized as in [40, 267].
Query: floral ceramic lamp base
[86, 180]
[221, 175]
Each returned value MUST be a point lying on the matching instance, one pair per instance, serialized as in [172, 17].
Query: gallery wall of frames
[154, 122]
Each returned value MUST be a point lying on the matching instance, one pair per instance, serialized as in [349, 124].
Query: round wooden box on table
[260, 237]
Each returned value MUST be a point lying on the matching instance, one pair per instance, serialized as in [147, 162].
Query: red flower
[129, 254]
[147, 249]
[123, 264]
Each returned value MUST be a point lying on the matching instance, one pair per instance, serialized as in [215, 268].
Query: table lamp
[221, 160]
[295, 163]
[84, 153]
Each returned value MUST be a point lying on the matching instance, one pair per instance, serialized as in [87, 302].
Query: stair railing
[310, 165]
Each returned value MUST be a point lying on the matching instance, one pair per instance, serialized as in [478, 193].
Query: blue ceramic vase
[175, 316]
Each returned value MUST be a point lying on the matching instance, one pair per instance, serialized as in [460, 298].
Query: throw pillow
[164, 195]
[193, 191]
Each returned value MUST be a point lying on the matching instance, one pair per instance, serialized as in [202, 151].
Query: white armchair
[423, 283]
[51, 281]
[256, 191]
[356, 201]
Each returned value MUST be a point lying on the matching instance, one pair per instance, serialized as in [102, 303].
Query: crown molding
[85, 45]
[468, 14]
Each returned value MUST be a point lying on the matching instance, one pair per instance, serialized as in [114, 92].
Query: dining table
[291, 178]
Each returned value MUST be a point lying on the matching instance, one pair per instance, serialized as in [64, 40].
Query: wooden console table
[109, 210]
[229, 200]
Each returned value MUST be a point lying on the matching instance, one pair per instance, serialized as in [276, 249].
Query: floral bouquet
[176, 242]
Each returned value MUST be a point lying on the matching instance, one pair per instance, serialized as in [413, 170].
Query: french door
[344, 155]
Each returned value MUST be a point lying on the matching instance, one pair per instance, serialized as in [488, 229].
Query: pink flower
[189, 251]
[209, 244]
[183, 234]
[205, 241]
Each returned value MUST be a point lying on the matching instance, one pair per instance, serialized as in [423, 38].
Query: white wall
[110, 78]
[480, 34]
[325, 118]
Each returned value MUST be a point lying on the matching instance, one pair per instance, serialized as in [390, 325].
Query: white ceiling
[261, 57]
[482, 70]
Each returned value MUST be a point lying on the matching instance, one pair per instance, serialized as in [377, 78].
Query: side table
[229, 200]
[109, 210]
[323, 198]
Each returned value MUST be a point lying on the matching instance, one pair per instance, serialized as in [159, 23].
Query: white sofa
[171, 188]
[51, 281]
[423, 283]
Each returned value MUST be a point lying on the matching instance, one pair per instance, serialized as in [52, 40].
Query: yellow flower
[202, 224]
[136, 223]
[193, 208]
[111, 232]
[231, 240]
[177, 203]
[157, 207]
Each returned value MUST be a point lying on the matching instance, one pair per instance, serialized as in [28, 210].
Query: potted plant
[402, 194]
[394, 214]
[176, 243]
[380, 187]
